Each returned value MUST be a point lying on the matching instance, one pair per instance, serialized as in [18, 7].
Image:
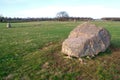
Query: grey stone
[8, 25]
[86, 40]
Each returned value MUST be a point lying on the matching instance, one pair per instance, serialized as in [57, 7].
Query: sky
[49, 8]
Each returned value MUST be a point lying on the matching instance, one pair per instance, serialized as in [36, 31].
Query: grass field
[32, 51]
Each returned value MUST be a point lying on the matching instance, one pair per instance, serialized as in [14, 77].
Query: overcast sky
[49, 8]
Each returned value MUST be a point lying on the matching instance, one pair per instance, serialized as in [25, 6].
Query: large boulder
[86, 40]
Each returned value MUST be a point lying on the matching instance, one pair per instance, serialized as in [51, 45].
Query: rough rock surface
[86, 40]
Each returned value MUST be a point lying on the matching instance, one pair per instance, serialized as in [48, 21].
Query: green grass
[32, 51]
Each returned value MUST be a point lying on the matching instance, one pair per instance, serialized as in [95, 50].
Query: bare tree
[62, 16]
[1, 17]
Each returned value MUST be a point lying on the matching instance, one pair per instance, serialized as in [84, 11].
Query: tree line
[111, 18]
[9, 19]
[60, 16]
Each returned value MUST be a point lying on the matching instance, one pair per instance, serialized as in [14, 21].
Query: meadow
[32, 51]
